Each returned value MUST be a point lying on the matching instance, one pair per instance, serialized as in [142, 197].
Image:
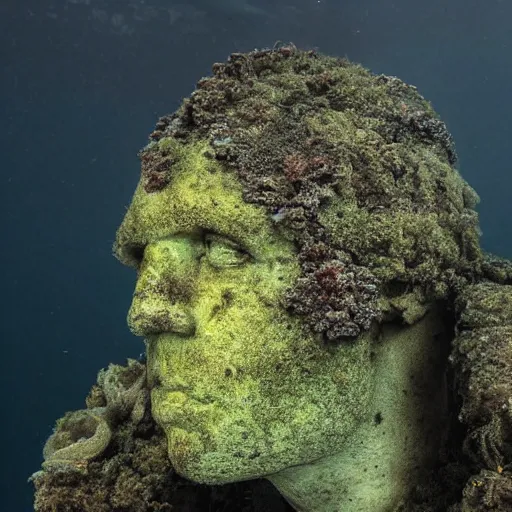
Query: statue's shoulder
[482, 359]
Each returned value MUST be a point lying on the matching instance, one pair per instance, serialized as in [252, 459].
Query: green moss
[211, 280]
[344, 159]
[154, 216]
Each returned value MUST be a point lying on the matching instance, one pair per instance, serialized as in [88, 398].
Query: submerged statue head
[298, 232]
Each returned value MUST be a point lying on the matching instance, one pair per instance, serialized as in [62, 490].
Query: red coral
[299, 166]
[327, 278]
[295, 166]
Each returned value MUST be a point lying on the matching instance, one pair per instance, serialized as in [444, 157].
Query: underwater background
[83, 82]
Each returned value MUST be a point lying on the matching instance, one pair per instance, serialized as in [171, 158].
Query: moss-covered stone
[337, 192]
[340, 159]
[482, 356]
[133, 473]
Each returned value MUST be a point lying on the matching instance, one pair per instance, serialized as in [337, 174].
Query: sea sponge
[78, 437]
[82, 435]
[121, 387]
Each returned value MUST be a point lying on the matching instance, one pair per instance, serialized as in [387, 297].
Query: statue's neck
[396, 443]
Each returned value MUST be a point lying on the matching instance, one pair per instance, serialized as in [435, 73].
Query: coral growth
[355, 161]
[482, 356]
[123, 466]
[79, 437]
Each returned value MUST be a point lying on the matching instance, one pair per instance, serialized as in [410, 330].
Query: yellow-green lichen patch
[228, 381]
[258, 394]
[181, 208]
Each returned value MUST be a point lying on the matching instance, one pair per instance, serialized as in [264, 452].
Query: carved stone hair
[355, 168]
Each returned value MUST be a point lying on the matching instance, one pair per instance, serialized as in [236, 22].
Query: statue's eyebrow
[227, 236]
[200, 234]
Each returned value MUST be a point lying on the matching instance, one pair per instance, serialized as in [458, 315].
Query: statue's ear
[482, 360]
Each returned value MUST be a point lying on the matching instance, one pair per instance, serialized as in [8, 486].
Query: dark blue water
[83, 82]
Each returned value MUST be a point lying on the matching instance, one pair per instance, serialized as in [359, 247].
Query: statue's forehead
[200, 198]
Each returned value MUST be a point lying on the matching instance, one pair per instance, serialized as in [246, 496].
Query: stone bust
[305, 250]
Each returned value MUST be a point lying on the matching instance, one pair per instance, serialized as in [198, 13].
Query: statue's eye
[224, 253]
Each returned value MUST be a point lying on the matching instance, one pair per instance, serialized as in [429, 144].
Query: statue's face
[239, 389]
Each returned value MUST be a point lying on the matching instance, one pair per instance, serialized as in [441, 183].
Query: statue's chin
[194, 460]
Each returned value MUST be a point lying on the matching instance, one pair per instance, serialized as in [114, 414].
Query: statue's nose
[161, 301]
[156, 315]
